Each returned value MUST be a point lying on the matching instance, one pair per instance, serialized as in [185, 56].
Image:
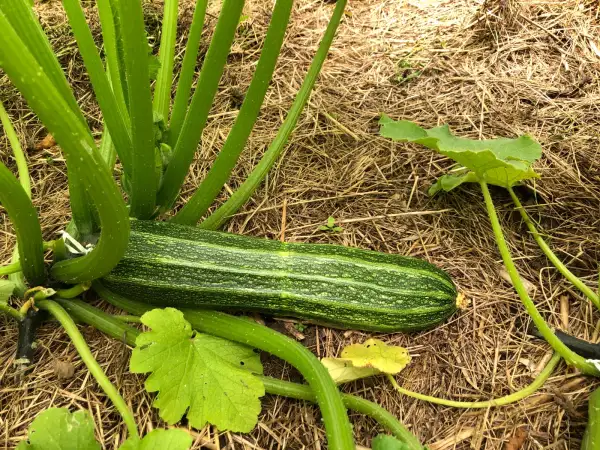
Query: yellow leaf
[376, 354]
[342, 370]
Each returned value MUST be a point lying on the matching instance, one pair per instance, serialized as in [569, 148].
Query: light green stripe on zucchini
[154, 239]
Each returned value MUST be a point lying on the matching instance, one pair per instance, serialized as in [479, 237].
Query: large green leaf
[502, 162]
[208, 378]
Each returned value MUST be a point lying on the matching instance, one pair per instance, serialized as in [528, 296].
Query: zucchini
[167, 264]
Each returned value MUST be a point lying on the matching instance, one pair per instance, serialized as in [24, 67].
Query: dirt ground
[489, 69]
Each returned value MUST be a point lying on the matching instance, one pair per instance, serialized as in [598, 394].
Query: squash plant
[155, 140]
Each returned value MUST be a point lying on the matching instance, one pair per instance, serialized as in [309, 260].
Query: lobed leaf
[208, 378]
[502, 162]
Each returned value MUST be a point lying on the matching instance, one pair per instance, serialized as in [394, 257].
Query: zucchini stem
[507, 399]
[570, 357]
[115, 327]
[575, 281]
[86, 355]
[11, 312]
[337, 425]
[13, 267]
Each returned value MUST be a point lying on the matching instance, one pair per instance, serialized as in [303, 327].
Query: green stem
[74, 291]
[113, 326]
[143, 179]
[243, 193]
[17, 150]
[575, 281]
[12, 312]
[373, 410]
[127, 319]
[23, 216]
[84, 162]
[220, 171]
[100, 81]
[591, 437]
[569, 356]
[164, 80]
[10, 268]
[86, 356]
[197, 115]
[186, 75]
[337, 425]
[511, 398]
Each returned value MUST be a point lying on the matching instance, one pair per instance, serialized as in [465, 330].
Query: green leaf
[6, 290]
[208, 378]
[373, 357]
[59, 429]
[172, 439]
[448, 182]
[343, 371]
[330, 222]
[502, 162]
[386, 442]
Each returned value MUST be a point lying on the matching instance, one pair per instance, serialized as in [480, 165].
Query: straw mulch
[488, 68]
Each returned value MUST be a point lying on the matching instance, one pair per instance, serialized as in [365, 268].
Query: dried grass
[492, 68]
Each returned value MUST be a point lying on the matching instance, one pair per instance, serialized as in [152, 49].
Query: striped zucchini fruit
[175, 265]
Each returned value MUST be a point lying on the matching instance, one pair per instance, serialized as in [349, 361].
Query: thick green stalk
[243, 193]
[107, 150]
[373, 410]
[337, 425]
[569, 356]
[143, 173]
[24, 218]
[115, 327]
[86, 356]
[24, 22]
[13, 267]
[221, 169]
[186, 76]
[84, 161]
[17, 150]
[11, 312]
[591, 437]
[109, 37]
[575, 281]
[197, 115]
[507, 399]
[25, 25]
[162, 88]
[107, 101]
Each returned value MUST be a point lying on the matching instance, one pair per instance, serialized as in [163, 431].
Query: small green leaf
[330, 221]
[502, 162]
[386, 442]
[342, 370]
[448, 182]
[324, 228]
[172, 439]
[208, 378]
[7, 288]
[59, 429]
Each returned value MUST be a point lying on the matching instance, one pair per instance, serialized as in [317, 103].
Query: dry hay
[493, 68]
